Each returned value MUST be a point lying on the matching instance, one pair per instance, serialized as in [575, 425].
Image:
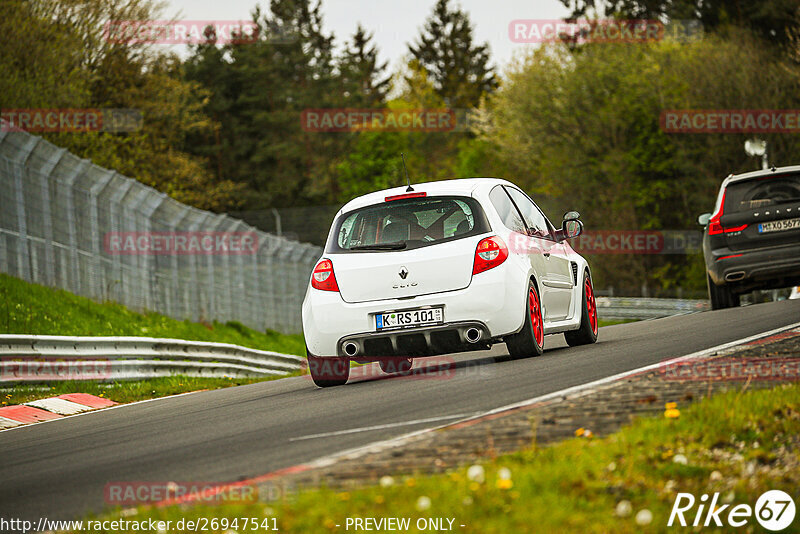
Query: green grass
[27, 308]
[575, 486]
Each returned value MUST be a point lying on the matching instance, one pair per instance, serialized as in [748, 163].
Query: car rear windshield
[408, 224]
[762, 192]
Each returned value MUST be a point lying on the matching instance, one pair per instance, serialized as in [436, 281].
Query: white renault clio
[443, 267]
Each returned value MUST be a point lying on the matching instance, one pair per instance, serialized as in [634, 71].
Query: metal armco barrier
[618, 308]
[27, 358]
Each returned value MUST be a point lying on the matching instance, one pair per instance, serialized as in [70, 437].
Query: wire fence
[67, 223]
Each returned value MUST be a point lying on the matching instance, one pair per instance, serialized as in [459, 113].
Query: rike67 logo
[774, 510]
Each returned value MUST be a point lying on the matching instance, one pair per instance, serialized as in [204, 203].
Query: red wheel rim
[536, 316]
[591, 306]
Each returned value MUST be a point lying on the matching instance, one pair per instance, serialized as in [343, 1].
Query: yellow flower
[344, 496]
[666, 454]
[671, 405]
[379, 499]
[672, 413]
[410, 482]
[579, 432]
[504, 483]
[474, 486]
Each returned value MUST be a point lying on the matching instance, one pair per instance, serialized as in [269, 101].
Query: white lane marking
[380, 427]
[378, 446]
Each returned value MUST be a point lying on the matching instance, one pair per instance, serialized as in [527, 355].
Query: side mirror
[572, 216]
[572, 228]
[702, 220]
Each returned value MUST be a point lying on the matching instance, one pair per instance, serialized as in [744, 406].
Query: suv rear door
[762, 212]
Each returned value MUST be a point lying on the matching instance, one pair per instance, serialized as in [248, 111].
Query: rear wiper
[382, 246]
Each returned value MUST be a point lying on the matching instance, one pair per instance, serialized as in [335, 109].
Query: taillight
[323, 278]
[491, 252]
[715, 226]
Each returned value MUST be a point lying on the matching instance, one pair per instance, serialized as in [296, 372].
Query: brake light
[406, 195]
[714, 226]
[491, 252]
[323, 278]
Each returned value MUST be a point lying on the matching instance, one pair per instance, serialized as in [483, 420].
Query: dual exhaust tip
[472, 335]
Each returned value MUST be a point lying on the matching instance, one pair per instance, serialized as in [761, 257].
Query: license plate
[404, 319]
[779, 226]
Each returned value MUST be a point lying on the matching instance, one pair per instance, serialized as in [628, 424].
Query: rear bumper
[493, 302]
[426, 341]
[743, 271]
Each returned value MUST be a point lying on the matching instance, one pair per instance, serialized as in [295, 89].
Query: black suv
[752, 240]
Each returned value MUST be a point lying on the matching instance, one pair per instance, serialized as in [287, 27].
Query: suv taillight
[715, 226]
[491, 252]
[323, 278]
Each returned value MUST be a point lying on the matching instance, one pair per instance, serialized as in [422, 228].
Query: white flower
[680, 459]
[612, 466]
[423, 503]
[476, 473]
[715, 475]
[504, 473]
[386, 481]
[644, 517]
[466, 501]
[623, 509]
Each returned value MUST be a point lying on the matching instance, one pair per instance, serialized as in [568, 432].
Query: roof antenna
[408, 180]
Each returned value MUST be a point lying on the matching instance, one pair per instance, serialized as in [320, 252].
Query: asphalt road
[59, 469]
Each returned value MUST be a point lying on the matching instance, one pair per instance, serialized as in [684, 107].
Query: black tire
[396, 365]
[721, 297]
[328, 372]
[528, 341]
[586, 334]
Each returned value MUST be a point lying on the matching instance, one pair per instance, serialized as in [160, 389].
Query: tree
[361, 75]
[773, 20]
[459, 70]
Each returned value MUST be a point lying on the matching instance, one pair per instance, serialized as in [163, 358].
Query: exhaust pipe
[473, 335]
[350, 348]
[734, 276]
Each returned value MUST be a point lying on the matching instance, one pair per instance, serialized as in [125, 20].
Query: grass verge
[739, 444]
[27, 308]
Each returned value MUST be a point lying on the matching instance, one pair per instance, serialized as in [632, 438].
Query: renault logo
[403, 273]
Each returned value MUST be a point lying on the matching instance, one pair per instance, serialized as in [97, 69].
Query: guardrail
[638, 308]
[30, 358]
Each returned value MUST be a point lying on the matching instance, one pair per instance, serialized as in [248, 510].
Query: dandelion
[680, 459]
[671, 410]
[379, 499]
[344, 496]
[476, 473]
[667, 454]
[715, 476]
[474, 486]
[504, 479]
[423, 503]
[410, 482]
[623, 509]
[386, 481]
[644, 517]
[611, 467]
[467, 501]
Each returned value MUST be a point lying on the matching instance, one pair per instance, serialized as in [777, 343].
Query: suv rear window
[408, 224]
[759, 193]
